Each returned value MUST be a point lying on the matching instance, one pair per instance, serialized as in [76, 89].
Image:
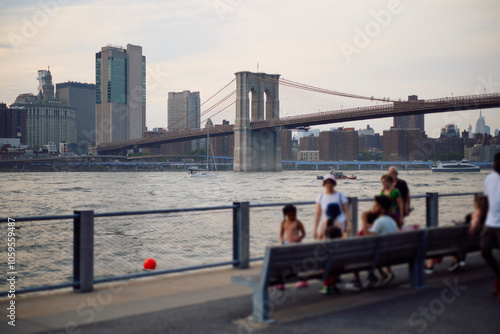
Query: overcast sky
[375, 48]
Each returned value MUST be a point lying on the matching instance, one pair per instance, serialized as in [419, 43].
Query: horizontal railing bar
[114, 214]
[37, 218]
[412, 197]
[280, 204]
[161, 272]
[41, 288]
[152, 212]
[460, 194]
[253, 259]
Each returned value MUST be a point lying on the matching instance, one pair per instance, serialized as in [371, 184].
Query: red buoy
[149, 263]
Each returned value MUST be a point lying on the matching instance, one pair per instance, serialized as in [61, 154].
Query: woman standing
[343, 221]
[397, 208]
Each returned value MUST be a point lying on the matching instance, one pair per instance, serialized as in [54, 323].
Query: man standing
[490, 237]
[402, 186]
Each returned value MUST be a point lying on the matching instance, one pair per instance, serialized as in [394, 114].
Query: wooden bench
[450, 240]
[288, 264]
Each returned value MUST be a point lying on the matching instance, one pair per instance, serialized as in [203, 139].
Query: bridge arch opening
[253, 101]
[268, 105]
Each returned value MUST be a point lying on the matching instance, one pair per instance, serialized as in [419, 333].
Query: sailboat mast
[208, 144]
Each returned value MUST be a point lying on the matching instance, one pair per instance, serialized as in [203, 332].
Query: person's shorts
[490, 237]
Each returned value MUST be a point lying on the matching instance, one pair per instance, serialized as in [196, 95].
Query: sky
[386, 48]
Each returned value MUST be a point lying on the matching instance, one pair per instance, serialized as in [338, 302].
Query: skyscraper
[410, 121]
[13, 123]
[481, 124]
[183, 110]
[80, 96]
[120, 93]
[450, 130]
[41, 79]
[47, 119]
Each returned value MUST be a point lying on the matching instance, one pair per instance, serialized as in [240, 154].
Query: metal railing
[249, 236]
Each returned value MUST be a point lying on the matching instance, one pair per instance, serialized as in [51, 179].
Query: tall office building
[120, 93]
[286, 145]
[48, 120]
[410, 121]
[13, 123]
[481, 124]
[80, 96]
[41, 80]
[450, 130]
[183, 110]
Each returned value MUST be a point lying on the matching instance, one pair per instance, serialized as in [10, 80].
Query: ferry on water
[456, 167]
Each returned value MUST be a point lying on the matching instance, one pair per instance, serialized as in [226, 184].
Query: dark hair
[288, 209]
[370, 216]
[333, 232]
[387, 177]
[384, 201]
[497, 156]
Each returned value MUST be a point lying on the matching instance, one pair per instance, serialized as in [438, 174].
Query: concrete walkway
[207, 302]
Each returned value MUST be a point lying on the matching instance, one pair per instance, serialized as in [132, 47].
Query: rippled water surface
[44, 249]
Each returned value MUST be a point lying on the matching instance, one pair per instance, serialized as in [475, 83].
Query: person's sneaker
[279, 287]
[429, 270]
[372, 280]
[325, 290]
[453, 266]
[302, 284]
[388, 279]
[354, 285]
[496, 289]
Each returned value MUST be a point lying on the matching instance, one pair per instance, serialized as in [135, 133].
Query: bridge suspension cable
[223, 109]
[224, 99]
[294, 84]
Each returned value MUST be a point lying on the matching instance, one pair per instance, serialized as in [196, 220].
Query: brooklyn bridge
[259, 118]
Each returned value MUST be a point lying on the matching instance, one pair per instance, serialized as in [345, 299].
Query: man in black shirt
[402, 186]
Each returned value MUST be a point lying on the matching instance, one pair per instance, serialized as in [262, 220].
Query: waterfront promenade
[207, 302]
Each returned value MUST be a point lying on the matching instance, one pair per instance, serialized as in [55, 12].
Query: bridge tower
[257, 99]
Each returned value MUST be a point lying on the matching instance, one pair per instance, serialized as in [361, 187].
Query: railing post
[236, 241]
[241, 235]
[432, 210]
[83, 250]
[353, 213]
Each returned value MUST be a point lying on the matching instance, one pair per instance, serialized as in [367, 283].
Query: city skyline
[451, 55]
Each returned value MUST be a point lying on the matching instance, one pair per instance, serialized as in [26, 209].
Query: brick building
[339, 144]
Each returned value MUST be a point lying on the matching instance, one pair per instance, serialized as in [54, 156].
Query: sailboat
[195, 172]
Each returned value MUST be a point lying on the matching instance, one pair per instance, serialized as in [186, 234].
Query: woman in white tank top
[331, 196]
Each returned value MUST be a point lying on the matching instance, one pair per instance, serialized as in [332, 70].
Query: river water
[44, 249]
